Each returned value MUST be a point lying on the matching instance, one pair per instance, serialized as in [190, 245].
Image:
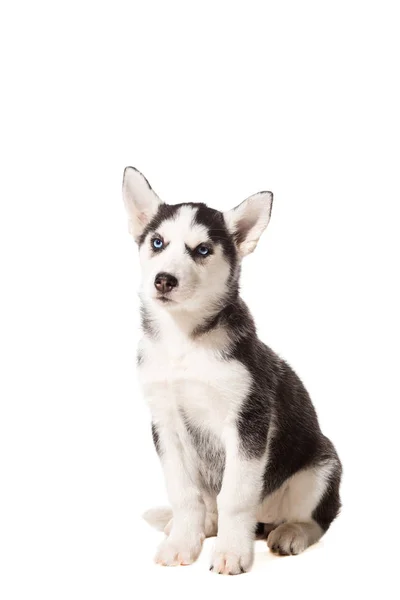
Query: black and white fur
[234, 427]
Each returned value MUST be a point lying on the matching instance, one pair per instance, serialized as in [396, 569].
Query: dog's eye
[157, 243]
[202, 250]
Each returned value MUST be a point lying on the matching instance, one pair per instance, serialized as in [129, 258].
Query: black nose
[165, 282]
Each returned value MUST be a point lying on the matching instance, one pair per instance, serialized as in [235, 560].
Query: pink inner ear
[142, 218]
[243, 227]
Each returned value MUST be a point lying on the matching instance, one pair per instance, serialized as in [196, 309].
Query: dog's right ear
[141, 202]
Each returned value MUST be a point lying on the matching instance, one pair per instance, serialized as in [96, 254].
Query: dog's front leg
[237, 505]
[183, 545]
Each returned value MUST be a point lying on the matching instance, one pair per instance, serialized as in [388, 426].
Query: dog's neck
[158, 319]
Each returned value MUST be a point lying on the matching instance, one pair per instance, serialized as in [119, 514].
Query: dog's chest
[181, 376]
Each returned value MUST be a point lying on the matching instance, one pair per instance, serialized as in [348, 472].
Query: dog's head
[190, 253]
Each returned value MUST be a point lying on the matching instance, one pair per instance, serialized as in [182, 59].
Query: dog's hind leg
[159, 518]
[306, 508]
[162, 518]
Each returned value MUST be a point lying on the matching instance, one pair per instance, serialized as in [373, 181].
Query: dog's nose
[165, 282]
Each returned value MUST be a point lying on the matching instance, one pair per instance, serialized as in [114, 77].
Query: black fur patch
[213, 220]
[165, 212]
[199, 258]
[254, 417]
[259, 532]
[229, 316]
[329, 505]
[297, 441]
[147, 324]
[156, 438]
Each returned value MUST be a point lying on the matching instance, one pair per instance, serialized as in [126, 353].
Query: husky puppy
[233, 425]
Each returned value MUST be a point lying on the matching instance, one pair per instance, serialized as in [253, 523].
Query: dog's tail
[158, 517]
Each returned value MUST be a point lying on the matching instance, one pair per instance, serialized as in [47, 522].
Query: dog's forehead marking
[182, 226]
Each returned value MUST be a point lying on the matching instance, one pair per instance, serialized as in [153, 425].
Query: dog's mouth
[164, 299]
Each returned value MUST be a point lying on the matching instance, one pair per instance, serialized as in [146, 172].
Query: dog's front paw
[231, 562]
[179, 551]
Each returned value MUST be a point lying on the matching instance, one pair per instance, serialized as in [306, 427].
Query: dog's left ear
[248, 220]
[141, 202]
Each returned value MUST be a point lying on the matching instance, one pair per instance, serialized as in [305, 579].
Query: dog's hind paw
[287, 539]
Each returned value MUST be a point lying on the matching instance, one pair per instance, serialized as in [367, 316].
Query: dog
[234, 427]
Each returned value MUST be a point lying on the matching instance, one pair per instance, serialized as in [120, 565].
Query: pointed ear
[248, 220]
[141, 202]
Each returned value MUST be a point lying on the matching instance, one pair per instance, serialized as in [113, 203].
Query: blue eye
[203, 250]
[157, 243]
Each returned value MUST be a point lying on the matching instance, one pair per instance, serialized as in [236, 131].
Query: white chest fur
[177, 372]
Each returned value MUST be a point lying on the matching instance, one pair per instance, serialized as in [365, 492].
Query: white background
[213, 101]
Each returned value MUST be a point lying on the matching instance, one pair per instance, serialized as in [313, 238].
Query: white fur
[237, 506]
[159, 517]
